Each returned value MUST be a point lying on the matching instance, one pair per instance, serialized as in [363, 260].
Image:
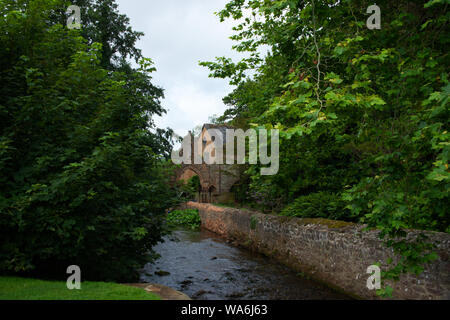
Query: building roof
[221, 127]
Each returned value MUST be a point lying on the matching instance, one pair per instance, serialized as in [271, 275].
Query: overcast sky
[179, 34]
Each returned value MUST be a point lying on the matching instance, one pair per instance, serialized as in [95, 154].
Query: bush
[318, 205]
[186, 218]
[81, 175]
[191, 188]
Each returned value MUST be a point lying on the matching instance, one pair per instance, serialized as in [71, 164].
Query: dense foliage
[82, 169]
[191, 188]
[185, 218]
[317, 205]
[363, 114]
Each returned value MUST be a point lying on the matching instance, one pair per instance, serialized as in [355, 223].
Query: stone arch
[201, 171]
[184, 173]
[188, 173]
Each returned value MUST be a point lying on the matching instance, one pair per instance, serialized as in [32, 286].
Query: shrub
[81, 173]
[318, 205]
[186, 218]
[190, 188]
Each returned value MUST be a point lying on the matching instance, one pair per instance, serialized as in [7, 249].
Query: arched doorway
[211, 194]
[192, 185]
[239, 192]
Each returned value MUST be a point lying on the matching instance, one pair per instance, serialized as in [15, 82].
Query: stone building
[216, 180]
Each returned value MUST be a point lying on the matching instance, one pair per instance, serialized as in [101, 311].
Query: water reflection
[205, 267]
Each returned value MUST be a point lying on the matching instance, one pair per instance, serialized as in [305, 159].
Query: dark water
[205, 267]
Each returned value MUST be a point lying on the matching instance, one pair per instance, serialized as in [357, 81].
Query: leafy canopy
[362, 114]
[83, 178]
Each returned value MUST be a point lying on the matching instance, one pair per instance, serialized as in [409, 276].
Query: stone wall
[220, 176]
[334, 252]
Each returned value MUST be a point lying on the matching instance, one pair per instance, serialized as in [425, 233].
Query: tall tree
[82, 173]
[362, 113]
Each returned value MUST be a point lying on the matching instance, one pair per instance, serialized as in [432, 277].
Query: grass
[13, 288]
[250, 207]
[227, 205]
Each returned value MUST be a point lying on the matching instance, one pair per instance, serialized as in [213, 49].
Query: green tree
[104, 24]
[363, 114]
[83, 176]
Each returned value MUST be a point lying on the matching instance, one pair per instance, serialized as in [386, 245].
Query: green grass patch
[13, 288]
[186, 218]
[228, 205]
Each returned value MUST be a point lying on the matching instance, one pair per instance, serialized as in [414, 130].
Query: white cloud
[192, 106]
[179, 34]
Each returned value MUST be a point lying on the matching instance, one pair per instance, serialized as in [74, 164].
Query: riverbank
[15, 288]
[333, 252]
[164, 292]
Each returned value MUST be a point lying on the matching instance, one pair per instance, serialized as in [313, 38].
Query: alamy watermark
[74, 20]
[374, 281]
[374, 21]
[209, 148]
[74, 280]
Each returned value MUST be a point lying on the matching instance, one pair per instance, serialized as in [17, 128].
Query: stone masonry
[334, 252]
[216, 180]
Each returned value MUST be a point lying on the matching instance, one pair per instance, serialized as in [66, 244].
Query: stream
[205, 267]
